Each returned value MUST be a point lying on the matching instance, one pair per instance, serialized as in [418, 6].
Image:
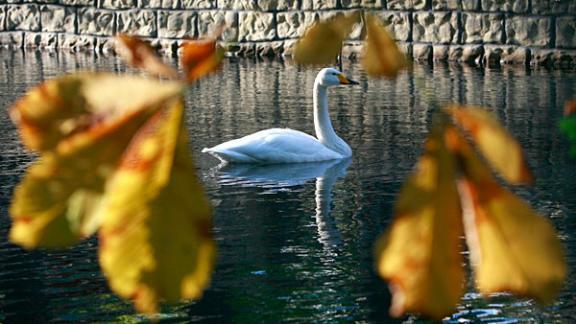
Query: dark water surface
[295, 244]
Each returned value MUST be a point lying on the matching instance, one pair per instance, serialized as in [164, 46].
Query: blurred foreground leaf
[200, 57]
[139, 53]
[381, 56]
[95, 173]
[420, 256]
[512, 248]
[322, 42]
[155, 240]
[500, 149]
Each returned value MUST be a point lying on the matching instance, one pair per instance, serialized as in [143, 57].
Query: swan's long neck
[323, 125]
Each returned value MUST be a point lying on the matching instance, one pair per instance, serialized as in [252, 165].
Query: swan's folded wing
[276, 145]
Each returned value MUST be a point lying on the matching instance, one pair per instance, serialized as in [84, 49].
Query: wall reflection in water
[295, 242]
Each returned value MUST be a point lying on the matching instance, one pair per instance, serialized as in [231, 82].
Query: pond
[298, 248]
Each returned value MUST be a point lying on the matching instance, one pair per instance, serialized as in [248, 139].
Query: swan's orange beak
[344, 80]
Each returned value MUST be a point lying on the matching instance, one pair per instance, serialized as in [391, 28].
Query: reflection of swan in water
[284, 145]
[278, 176]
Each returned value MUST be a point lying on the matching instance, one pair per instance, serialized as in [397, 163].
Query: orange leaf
[200, 57]
[420, 255]
[499, 148]
[139, 53]
[381, 54]
[512, 248]
[322, 42]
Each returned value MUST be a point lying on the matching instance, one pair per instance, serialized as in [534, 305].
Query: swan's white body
[284, 145]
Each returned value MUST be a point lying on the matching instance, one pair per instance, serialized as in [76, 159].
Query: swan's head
[332, 77]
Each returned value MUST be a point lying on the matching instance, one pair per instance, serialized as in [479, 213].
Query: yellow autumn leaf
[499, 148]
[381, 56]
[57, 201]
[420, 255]
[512, 248]
[155, 239]
[322, 42]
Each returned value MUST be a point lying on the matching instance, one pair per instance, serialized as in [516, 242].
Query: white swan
[284, 145]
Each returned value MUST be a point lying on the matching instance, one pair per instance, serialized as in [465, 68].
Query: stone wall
[539, 32]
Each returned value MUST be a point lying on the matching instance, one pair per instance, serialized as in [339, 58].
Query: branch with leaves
[114, 159]
[451, 194]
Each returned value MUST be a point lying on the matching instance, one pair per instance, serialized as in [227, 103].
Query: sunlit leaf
[512, 248]
[81, 135]
[568, 124]
[155, 239]
[381, 55]
[420, 255]
[139, 53]
[322, 42]
[200, 57]
[499, 148]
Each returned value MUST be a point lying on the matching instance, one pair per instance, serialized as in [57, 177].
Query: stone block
[529, 31]
[237, 4]
[398, 24]
[198, 4]
[104, 45]
[290, 24]
[246, 50]
[270, 49]
[76, 43]
[162, 4]
[23, 17]
[517, 6]
[564, 59]
[319, 4]
[446, 4]
[91, 3]
[58, 19]
[495, 55]
[288, 48]
[117, 4]
[469, 54]
[550, 7]
[406, 48]
[422, 52]
[41, 40]
[176, 24]
[42, 1]
[541, 57]
[137, 22]
[440, 53]
[207, 20]
[435, 27]
[366, 4]
[3, 18]
[277, 5]
[482, 28]
[96, 22]
[256, 26]
[566, 32]
[408, 4]
[471, 5]
[12, 39]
